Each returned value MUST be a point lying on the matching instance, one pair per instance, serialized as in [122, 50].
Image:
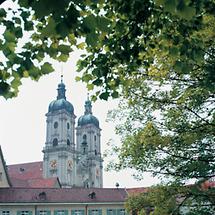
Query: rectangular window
[78, 212]
[61, 212]
[95, 212]
[110, 212]
[24, 212]
[6, 212]
[43, 212]
[122, 212]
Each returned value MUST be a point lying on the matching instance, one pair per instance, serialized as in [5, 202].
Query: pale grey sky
[23, 121]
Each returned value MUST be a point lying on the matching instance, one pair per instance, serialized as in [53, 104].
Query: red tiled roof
[44, 183]
[26, 171]
[58, 195]
[137, 190]
[36, 183]
[30, 175]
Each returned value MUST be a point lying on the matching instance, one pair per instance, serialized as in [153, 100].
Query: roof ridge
[25, 163]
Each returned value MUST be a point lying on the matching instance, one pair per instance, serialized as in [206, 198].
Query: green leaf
[87, 77]
[115, 94]
[185, 11]
[90, 86]
[170, 6]
[97, 82]
[77, 78]
[28, 26]
[23, 3]
[81, 45]
[104, 96]
[103, 23]
[17, 20]
[9, 36]
[41, 9]
[173, 51]
[16, 83]
[47, 68]
[65, 49]
[50, 29]
[92, 39]
[4, 87]
[2, 13]
[34, 73]
[90, 22]
[62, 29]
[18, 32]
[63, 57]
[11, 46]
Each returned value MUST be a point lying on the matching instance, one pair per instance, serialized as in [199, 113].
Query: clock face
[69, 164]
[53, 164]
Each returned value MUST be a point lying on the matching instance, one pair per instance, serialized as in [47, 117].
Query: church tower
[89, 161]
[59, 151]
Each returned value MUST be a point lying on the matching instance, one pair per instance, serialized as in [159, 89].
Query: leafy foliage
[36, 31]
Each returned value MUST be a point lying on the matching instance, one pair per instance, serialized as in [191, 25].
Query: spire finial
[61, 77]
[61, 87]
[88, 105]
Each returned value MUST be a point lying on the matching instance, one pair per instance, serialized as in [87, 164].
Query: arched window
[85, 137]
[55, 125]
[68, 125]
[55, 142]
[68, 142]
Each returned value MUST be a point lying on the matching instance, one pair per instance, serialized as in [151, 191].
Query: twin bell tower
[72, 153]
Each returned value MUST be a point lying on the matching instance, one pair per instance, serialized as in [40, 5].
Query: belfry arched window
[55, 142]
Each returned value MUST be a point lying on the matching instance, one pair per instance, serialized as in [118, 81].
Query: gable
[4, 179]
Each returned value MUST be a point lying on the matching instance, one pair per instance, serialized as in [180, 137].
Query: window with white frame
[24, 213]
[110, 212]
[78, 212]
[95, 212]
[61, 212]
[6, 212]
[43, 212]
[122, 212]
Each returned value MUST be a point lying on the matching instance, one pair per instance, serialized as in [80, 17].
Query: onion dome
[88, 117]
[61, 103]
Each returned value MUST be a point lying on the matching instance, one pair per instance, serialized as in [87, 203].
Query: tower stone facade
[75, 164]
[89, 165]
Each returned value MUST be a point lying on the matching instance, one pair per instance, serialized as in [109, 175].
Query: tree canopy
[119, 37]
[158, 55]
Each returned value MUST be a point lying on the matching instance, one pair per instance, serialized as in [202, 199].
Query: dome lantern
[88, 117]
[61, 102]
